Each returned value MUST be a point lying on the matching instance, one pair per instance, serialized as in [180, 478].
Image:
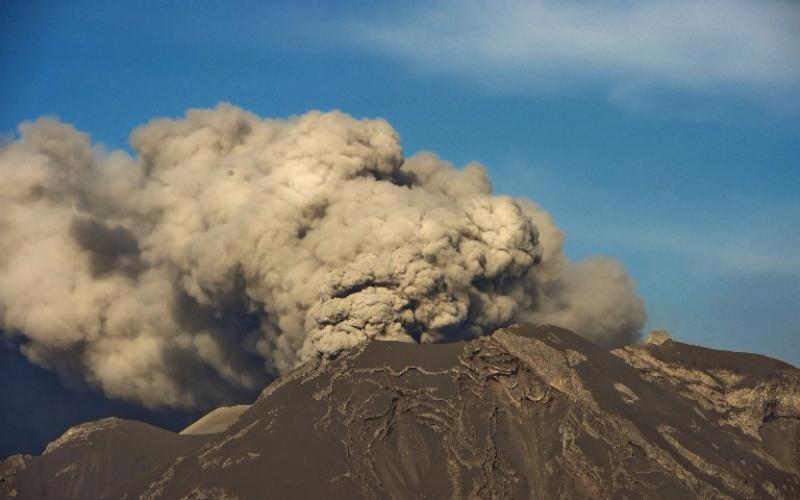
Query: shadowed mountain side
[528, 412]
[92, 460]
[37, 406]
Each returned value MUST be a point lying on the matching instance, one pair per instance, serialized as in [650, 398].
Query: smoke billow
[231, 248]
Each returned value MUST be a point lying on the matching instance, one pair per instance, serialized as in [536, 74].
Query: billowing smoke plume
[232, 248]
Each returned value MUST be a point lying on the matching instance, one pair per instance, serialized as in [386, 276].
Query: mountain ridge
[525, 412]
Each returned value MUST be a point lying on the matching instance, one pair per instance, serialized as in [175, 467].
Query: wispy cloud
[762, 250]
[547, 45]
[714, 251]
[781, 262]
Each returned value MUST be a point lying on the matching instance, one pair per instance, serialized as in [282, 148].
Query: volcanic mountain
[527, 412]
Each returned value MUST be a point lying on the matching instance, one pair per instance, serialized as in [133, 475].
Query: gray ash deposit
[527, 412]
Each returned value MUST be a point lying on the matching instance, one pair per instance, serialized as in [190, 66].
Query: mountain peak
[525, 412]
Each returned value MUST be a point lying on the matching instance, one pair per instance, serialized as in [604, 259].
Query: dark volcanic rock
[524, 413]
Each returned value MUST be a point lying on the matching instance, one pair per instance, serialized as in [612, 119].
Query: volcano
[527, 412]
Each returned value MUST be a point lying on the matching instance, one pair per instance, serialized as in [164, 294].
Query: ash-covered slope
[523, 413]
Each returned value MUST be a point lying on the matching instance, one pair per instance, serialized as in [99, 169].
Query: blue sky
[666, 134]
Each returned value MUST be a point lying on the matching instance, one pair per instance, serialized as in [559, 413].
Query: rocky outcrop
[524, 413]
[757, 395]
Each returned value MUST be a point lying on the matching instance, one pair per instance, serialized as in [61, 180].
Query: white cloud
[545, 45]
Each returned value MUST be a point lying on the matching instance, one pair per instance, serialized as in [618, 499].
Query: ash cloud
[231, 248]
[110, 248]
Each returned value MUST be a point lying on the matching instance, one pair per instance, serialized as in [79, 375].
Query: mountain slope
[528, 412]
